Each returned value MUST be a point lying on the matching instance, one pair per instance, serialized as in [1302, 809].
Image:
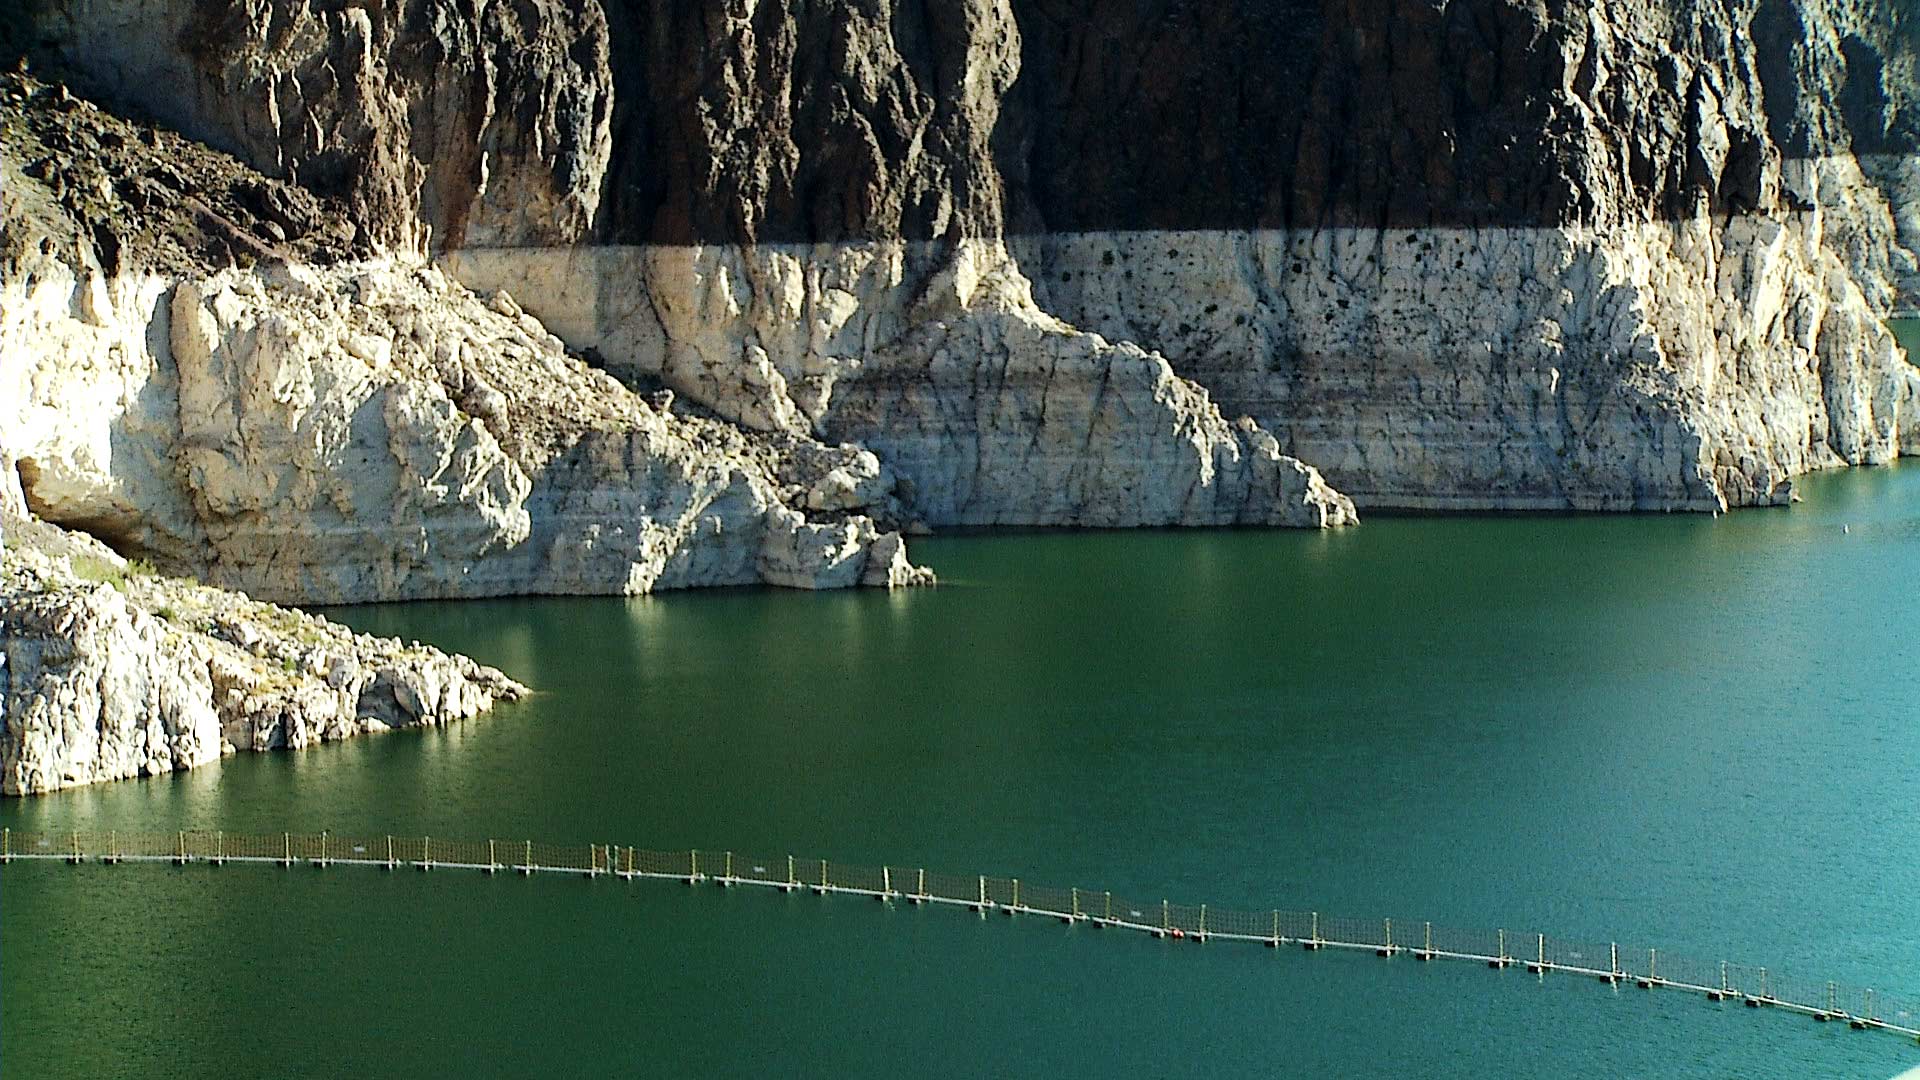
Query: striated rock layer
[1668, 366]
[1691, 365]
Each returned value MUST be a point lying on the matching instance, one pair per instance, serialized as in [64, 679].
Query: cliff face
[1612, 256]
[832, 120]
[798, 121]
[320, 423]
[1630, 255]
[1040, 256]
[485, 123]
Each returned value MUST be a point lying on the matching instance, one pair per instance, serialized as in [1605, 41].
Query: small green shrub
[95, 569]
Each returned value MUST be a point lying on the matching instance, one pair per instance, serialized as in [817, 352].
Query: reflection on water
[1908, 332]
[1699, 732]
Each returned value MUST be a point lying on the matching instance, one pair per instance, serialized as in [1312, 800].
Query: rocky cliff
[1498, 254]
[1120, 262]
[238, 381]
[322, 421]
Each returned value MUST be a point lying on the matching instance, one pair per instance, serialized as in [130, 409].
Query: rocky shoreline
[113, 671]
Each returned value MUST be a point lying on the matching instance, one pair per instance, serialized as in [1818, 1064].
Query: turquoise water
[1683, 731]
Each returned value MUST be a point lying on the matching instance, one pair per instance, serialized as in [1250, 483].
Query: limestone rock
[1000, 415]
[977, 406]
[89, 696]
[376, 432]
[113, 673]
[360, 429]
[1694, 365]
[887, 566]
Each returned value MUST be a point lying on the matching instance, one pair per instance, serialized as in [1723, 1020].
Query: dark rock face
[803, 119]
[545, 122]
[1847, 83]
[830, 121]
[485, 122]
[490, 119]
[1290, 112]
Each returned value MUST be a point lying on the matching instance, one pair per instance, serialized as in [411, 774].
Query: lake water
[1696, 733]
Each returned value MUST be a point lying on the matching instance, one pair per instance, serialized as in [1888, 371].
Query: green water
[1695, 733]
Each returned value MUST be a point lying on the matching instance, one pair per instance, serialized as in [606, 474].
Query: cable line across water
[1757, 987]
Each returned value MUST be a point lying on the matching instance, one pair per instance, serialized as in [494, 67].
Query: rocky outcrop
[113, 673]
[374, 432]
[998, 414]
[369, 430]
[101, 194]
[1689, 365]
[988, 410]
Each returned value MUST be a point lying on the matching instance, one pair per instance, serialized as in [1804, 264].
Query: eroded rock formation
[1041, 256]
[113, 673]
[365, 429]
[1500, 254]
